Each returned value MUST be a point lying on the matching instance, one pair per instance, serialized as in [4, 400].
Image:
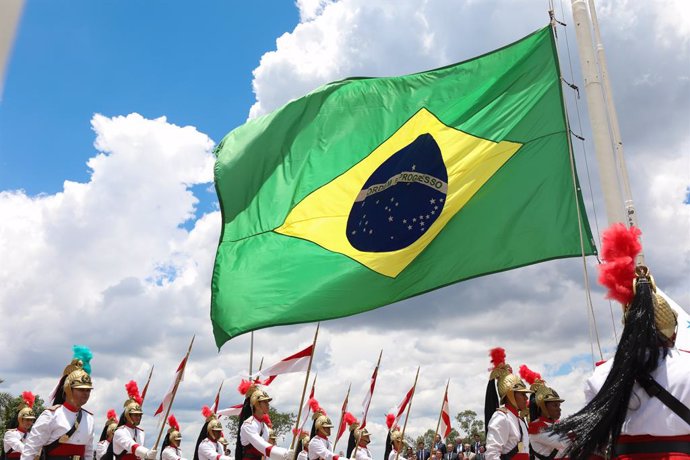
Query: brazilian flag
[368, 191]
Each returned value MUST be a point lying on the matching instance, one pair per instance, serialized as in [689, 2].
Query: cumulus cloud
[121, 262]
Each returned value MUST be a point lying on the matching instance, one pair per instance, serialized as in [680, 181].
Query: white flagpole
[597, 115]
[613, 120]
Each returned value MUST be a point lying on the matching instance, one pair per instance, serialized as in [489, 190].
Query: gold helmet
[542, 393]
[253, 393]
[304, 436]
[174, 435]
[133, 403]
[322, 422]
[26, 407]
[76, 374]
[665, 317]
[508, 385]
[618, 273]
[505, 383]
[111, 422]
[362, 434]
[396, 436]
[213, 426]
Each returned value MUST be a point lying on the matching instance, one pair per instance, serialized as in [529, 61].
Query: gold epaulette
[54, 407]
[502, 409]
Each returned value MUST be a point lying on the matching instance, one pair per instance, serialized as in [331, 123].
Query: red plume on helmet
[529, 375]
[133, 391]
[29, 398]
[172, 421]
[314, 405]
[206, 412]
[111, 415]
[498, 356]
[244, 386]
[349, 419]
[619, 247]
[390, 420]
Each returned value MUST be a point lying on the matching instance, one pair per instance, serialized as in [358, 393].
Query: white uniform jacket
[54, 422]
[101, 448]
[321, 447]
[647, 415]
[255, 432]
[504, 433]
[361, 453]
[303, 455]
[393, 454]
[13, 442]
[172, 453]
[126, 439]
[542, 443]
[211, 450]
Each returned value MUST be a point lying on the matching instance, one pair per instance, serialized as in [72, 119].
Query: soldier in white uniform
[640, 398]
[396, 445]
[319, 445]
[128, 440]
[544, 411]
[13, 441]
[362, 440]
[252, 438]
[65, 430]
[507, 434]
[170, 450]
[208, 445]
[106, 434]
[303, 446]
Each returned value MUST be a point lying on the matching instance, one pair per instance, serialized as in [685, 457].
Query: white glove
[144, 453]
[289, 455]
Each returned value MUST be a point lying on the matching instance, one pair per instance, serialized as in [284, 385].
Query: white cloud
[110, 262]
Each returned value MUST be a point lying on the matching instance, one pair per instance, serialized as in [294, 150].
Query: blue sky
[190, 62]
[125, 251]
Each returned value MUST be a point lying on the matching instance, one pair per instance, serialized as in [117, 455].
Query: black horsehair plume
[638, 353]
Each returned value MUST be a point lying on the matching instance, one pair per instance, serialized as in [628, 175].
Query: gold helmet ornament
[174, 435]
[541, 393]
[618, 273]
[26, 407]
[77, 374]
[133, 403]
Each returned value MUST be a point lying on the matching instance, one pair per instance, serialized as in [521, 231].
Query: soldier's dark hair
[203, 434]
[166, 443]
[638, 353]
[244, 415]
[351, 443]
[491, 403]
[389, 446]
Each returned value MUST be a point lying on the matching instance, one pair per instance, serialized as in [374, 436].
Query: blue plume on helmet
[84, 354]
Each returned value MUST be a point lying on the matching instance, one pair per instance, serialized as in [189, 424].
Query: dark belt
[652, 447]
[250, 456]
